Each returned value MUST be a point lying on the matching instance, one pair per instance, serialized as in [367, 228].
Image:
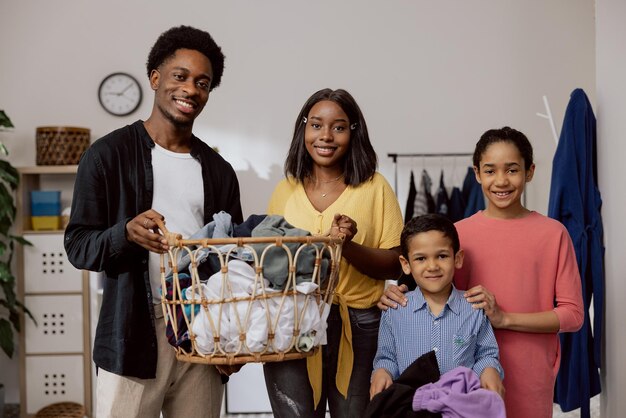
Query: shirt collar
[417, 301]
[149, 142]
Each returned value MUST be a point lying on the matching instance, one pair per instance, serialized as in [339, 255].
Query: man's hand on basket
[143, 231]
[228, 370]
[343, 226]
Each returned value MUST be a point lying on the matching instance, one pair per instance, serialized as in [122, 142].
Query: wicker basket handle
[341, 235]
[172, 237]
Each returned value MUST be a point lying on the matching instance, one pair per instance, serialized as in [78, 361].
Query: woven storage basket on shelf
[61, 145]
[62, 410]
[263, 325]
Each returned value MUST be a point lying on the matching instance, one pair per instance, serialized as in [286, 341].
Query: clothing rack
[395, 156]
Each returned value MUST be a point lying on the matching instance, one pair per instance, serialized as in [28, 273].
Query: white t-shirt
[179, 197]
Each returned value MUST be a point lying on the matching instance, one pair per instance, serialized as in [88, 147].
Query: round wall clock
[120, 94]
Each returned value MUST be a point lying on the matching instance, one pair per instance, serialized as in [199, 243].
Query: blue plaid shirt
[459, 335]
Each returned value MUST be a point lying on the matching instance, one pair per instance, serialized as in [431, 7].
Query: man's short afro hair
[187, 37]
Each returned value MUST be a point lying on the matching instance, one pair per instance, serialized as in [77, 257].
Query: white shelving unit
[55, 353]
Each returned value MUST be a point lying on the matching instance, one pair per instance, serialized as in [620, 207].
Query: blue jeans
[288, 384]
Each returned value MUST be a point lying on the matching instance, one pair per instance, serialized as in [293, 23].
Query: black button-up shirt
[113, 185]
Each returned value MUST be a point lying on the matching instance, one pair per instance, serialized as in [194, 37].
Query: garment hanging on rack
[472, 194]
[420, 201]
[575, 201]
[424, 202]
[427, 185]
[410, 202]
[456, 209]
[443, 201]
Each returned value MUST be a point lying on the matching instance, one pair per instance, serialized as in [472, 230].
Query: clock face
[120, 94]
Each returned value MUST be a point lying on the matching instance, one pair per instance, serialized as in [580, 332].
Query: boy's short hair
[425, 223]
[187, 37]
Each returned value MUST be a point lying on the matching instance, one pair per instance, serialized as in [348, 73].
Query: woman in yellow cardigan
[331, 183]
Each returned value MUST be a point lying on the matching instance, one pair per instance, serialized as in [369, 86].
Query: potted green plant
[10, 307]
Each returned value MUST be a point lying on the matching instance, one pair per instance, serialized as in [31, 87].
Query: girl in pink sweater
[520, 267]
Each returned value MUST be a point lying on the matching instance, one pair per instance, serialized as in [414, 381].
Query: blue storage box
[45, 203]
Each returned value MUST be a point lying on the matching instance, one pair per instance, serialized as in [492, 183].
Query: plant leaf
[7, 284]
[5, 121]
[7, 207]
[26, 311]
[20, 240]
[9, 174]
[6, 337]
[5, 273]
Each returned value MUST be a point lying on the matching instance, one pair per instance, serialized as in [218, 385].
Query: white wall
[429, 76]
[611, 85]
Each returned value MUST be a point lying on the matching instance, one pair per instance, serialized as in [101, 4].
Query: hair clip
[353, 126]
[304, 119]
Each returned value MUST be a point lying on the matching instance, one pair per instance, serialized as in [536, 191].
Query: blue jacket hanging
[575, 201]
[456, 210]
[472, 194]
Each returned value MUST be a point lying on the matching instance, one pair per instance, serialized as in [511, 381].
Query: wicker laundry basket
[62, 410]
[191, 312]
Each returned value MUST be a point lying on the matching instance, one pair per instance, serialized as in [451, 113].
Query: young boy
[436, 317]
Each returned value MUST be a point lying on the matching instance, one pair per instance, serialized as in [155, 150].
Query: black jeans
[288, 384]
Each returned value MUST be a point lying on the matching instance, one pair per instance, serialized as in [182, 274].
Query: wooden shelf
[42, 232]
[48, 169]
[33, 178]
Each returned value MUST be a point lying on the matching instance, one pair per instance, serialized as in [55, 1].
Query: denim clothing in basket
[220, 227]
[276, 261]
[113, 185]
[460, 336]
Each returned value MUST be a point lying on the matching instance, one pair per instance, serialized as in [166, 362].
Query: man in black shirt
[125, 181]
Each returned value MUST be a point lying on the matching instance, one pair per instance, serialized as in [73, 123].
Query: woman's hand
[393, 296]
[143, 231]
[381, 380]
[377, 263]
[344, 226]
[481, 298]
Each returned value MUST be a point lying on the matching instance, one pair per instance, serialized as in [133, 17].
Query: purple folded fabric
[457, 394]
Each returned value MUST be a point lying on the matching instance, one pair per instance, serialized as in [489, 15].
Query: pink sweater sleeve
[568, 288]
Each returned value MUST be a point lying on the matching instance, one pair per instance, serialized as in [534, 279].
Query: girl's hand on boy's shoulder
[392, 297]
[481, 298]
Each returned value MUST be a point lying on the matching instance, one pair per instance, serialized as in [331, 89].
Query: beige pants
[179, 390]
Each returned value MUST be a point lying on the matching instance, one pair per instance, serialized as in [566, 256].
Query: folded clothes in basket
[255, 317]
[276, 263]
